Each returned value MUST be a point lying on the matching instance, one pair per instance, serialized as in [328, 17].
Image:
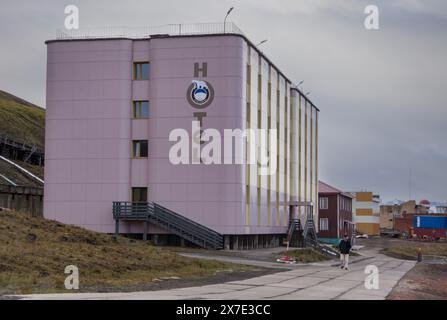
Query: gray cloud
[382, 94]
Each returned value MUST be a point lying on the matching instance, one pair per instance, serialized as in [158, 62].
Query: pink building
[112, 104]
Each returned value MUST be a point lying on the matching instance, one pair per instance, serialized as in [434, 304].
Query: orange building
[366, 214]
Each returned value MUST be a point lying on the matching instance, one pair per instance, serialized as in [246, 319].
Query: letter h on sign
[198, 69]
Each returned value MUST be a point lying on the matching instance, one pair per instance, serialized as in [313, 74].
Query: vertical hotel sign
[200, 93]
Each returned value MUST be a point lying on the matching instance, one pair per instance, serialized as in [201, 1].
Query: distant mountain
[21, 120]
[394, 202]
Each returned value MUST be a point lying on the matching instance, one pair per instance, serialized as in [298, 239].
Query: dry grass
[305, 255]
[19, 177]
[22, 120]
[34, 253]
[410, 251]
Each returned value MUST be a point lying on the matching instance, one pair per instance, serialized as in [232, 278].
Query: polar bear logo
[200, 94]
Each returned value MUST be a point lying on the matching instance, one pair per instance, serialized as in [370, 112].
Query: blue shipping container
[430, 222]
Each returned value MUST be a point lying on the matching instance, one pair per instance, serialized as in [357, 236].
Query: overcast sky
[382, 94]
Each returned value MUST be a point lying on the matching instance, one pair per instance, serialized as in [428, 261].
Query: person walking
[345, 247]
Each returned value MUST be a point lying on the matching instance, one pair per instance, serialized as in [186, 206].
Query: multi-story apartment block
[117, 108]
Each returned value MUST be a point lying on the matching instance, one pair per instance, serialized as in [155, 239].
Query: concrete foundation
[24, 199]
[249, 242]
[231, 242]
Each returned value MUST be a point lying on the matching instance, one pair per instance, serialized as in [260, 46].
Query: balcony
[132, 210]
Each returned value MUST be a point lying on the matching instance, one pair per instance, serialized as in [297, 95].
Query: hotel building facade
[112, 104]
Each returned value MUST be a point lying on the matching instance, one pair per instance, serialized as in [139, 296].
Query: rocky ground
[428, 279]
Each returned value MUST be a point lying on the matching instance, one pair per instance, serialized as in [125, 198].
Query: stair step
[195, 233]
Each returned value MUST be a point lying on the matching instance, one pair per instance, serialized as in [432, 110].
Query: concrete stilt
[235, 243]
[145, 230]
[117, 228]
[227, 242]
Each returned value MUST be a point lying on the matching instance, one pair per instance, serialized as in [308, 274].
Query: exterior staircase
[307, 237]
[20, 150]
[310, 239]
[295, 234]
[151, 212]
[309, 231]
[324, 249]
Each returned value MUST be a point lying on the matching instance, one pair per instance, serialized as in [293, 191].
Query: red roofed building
[335, 213]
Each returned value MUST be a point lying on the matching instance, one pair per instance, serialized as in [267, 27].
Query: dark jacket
[344, 246]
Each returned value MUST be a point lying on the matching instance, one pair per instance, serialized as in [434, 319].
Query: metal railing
[18, 149]
[326, 250]
[170, 221]
[148, 31]
[20, 144]
[309, 228]
[132, 210]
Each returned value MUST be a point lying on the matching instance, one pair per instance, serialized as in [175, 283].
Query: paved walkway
[300, 282]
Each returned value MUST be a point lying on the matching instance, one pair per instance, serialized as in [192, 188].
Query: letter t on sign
[202, 69]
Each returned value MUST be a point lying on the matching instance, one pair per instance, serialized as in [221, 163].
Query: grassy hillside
[19, 177]
[21, 120]
[34, 253]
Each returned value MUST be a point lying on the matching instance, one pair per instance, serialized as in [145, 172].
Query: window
[139, 194]
[141, 71]
[141, 109]
[324, 223]
[345, 204]
[139, 148]
[324, 202]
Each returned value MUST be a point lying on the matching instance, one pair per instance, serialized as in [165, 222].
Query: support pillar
[117, 228]
[145, 230]
[235, 243]
[9, 201]
[227, 242]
